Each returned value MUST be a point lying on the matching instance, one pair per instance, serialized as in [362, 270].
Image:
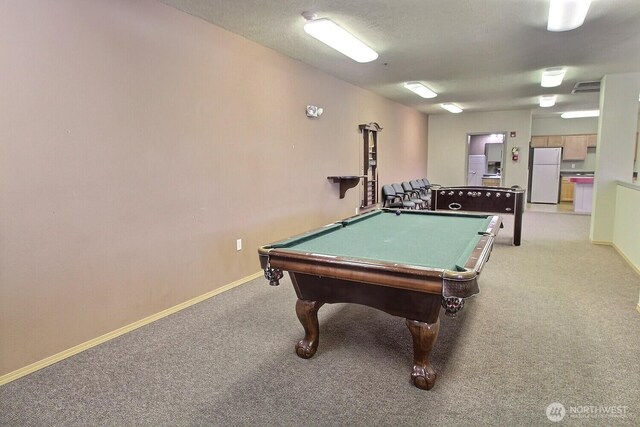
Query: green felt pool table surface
[434, 240]
[408, 265]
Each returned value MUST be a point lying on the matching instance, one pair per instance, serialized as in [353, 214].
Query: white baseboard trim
[624, 257]
[602, 242]
[12, 376]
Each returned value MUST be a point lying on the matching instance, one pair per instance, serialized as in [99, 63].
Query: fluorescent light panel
[565, 15]
[331, 34]
[420, 89]
[452, 108]
[580, 114]
[547, 100]
[552, 77]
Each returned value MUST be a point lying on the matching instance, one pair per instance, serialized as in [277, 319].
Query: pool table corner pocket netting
[408, 265]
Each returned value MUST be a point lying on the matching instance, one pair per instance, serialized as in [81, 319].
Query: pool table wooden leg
[424, 336]
[307, 312]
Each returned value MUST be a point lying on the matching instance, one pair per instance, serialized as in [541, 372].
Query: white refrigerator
[476, 167]
[545, 178]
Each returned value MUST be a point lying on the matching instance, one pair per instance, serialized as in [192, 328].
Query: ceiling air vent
[587, 87]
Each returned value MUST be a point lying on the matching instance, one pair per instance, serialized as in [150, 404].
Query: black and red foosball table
[498, 200]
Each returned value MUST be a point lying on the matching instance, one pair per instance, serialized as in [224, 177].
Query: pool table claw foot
[424, 336]
[307, 312]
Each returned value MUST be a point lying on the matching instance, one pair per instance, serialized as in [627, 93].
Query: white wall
[447, 160]
[617, 133]
[626, 233]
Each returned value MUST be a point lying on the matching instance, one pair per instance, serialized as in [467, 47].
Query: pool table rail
[393, 275]
[462, 284]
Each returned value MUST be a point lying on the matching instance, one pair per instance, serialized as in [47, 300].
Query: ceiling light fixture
[552, 77]
[580, 114]
[331, 34]
[420, 89]
[565, 15]
[547, 101]
[452, 108]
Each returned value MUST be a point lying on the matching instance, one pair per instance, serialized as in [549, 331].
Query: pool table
[405, 263]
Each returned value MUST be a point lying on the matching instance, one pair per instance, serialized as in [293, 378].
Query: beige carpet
[555, 321]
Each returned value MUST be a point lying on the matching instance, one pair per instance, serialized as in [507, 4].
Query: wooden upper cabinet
[539, 141]
[575, 147]
[555, 141]
[575, 141]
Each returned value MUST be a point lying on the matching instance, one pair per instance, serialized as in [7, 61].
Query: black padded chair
[428, 184]
[423, 192]
[414, 195]
[389, 198]
[406, 199]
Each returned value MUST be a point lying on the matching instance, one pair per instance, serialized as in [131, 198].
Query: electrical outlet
[239, 245]
[573, 165]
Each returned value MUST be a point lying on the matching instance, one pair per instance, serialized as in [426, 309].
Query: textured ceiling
[483, 55]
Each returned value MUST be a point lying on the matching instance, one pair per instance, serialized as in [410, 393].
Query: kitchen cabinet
[555, 141]
[583, 195]
[544, 141]
[539, 141]
[575, 147]
[567, 189]
[491, 182]
[547, 141]
[493, 152]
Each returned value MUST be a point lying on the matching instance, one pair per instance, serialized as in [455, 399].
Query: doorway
[485, 159]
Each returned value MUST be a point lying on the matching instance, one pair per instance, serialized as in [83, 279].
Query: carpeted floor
[555, 321]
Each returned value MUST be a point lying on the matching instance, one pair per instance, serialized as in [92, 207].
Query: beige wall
[560, 126]
[138, 143]
[448, 140]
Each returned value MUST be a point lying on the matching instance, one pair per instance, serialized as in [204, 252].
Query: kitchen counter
[582, 179]
[573, 172]
[490, 180]
[583, 195]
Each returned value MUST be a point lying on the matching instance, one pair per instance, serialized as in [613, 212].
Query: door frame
[503, 163]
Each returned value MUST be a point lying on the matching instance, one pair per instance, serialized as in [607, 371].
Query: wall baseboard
[12, 376]
[631, 264]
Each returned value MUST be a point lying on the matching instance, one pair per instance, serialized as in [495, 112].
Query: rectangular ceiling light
[329, 33]
[552, 77]
[547, 100]
[420, 89]
[452, 108]
[565, 15]
[580, 114]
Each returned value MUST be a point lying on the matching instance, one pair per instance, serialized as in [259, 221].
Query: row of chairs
[415, 194]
